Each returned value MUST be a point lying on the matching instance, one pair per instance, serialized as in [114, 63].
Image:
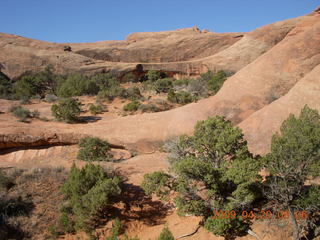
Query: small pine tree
[293, 159]
[87, 191]
[166, 234]
[93, 149]
[67, 110]
[20, 112]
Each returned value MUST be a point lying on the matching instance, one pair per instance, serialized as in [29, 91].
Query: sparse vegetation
[158, 183]
[87, 190]
[133, 93]
[214, 171]
[5, 86]
[20, 112]
[166, 234]
[67, 110]
[95, 109]
[94, 149]
[150, 107]
[294, 158]
[115, 231]
[131, 107]
[129, 77]
[163, 85]
[216, 80]
[180, 97]
[154, 75]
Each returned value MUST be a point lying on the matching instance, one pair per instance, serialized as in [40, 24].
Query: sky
[98, 20]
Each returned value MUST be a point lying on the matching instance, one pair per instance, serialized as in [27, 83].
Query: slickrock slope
[292, 52]
[270, 76]
[260, 126]
[185, 51]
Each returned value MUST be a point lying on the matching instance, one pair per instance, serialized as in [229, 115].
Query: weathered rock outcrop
[276, 61]
[43, 139]
[186, 51]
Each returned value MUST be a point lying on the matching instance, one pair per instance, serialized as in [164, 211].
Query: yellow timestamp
[262, 214]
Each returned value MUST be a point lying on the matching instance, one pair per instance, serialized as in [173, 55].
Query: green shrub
[93, 149]
[95, 109]
[65, 223]
[115, 230]
[50, 98]
[198, 87]
[5, 182]
[180, 97]
[129, 77]
[226, 227]
[166, 234]
[35, 114]
[74, 85]
[67, 110]
[293, 160]
[148, 108]
[112, 92]
[156, 183]
[182, 82]
[163, 85]
[109, 87]
[39, 84]
[5, 86]
[25, 88]
[53, 232]
[133, 93]
[213, 170]
[153, 75]
[216, 81]
[88, 191]
[20, 112]
[131, 107]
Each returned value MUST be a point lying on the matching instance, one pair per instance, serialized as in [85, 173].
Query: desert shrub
[166, 234]
[111, 93]
[38, 84]
[147, 86]
[5, 181]
[50, 98]
[163, 85]
[148, 108]
[66, 110]
[129, 77]
[182, 82]
[294, 158]
[34, 114]
[5, 86]
[25, 88]
[131, 107]
[74, 85]
[115, 230]
[181, 97]
[157, 183]
[163, 105]
[20, 112]
[198, 87]
[93, 149]
[133, 93]
[216, 81]
[95, 109]
[214, 170]
[109, 87]
[154, 75]
[234, 227]
[88, 190]
[66, 224]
